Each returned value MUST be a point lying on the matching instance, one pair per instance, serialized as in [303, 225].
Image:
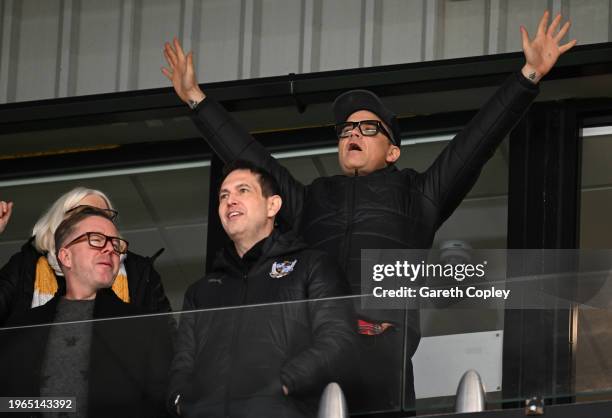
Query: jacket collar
[275, 245]
[388, 169]
[249, 258]
[381, 171]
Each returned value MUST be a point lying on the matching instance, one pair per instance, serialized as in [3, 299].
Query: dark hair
[68, 225]
[269, 186]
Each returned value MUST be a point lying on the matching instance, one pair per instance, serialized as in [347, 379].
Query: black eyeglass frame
[112, 213]
[379, 128]
[106, 239]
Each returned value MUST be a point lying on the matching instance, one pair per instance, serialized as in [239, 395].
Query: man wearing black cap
[375, 205]
[361, 155]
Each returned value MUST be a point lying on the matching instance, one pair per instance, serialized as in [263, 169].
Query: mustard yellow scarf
[45, 284]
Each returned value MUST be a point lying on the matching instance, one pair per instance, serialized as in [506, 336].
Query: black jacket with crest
[233, 362]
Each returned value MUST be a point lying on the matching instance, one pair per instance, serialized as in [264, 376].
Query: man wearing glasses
[111, 368]
[375, 205]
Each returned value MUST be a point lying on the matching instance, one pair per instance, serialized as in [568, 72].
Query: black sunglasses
[366, 127]
[110, 213]
[98, 240]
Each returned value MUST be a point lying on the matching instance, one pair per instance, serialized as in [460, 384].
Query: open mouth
[354, 147]
[233, 214]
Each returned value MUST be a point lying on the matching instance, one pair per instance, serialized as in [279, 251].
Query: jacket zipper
[236, 327]
[350, 202]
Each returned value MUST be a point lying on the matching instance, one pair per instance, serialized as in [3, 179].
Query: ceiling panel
[175, 197]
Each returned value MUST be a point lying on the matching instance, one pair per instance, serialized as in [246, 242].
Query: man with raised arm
[375, 205]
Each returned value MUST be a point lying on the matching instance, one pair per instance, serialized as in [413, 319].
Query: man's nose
[356, 131]
[108, 247]
[231, 200]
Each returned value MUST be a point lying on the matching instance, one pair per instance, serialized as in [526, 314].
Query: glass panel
[231, 360]
[593, 370]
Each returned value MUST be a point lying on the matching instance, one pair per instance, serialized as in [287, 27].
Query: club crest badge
[281, 269]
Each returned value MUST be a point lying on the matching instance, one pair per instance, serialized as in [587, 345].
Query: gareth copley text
[429, 293]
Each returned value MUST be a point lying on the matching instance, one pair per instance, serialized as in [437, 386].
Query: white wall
[59, 48]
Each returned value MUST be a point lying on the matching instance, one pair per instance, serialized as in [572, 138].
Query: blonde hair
[44, 229]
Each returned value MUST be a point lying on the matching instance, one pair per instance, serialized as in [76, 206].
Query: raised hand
[6, 208]
[542, 52]
[182, 73]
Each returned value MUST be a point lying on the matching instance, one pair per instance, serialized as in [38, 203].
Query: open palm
[543, 51]
[181, 72]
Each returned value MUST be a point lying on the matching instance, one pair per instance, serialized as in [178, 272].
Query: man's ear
[393, 153]
[274, 205]
[64, 257]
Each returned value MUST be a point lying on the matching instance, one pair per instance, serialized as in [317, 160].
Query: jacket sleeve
[334, 333]
[455, 171]
[183, 362]
[230, 141]
[10, 275]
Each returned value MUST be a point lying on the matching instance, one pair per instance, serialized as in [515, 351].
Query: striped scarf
[45, 284]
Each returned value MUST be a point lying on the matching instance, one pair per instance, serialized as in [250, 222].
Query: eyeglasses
[110, 213]
[99, 240]
[366, 127]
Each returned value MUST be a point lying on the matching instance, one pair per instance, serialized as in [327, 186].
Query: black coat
[18, 275]
[129, 358]
[233, 362]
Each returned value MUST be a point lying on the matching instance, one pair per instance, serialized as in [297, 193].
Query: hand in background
[6, 208]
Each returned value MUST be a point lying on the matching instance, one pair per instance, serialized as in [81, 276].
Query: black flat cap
[354, 100]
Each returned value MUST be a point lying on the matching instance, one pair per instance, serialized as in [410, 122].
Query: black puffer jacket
[17, 283]
[233, 362]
